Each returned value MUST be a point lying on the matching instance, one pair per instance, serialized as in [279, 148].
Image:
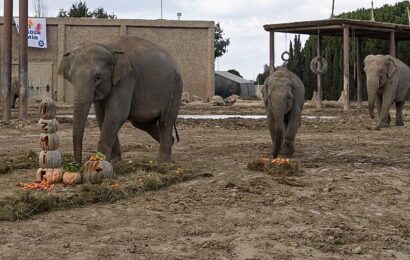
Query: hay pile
[133, 179]
[278, 166]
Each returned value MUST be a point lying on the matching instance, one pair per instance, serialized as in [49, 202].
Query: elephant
[388, 80]
[130, 79]
[283, 95]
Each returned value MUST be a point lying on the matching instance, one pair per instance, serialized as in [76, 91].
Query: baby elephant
[283, 94]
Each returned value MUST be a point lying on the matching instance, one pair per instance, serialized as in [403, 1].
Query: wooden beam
[392, 44]
[23, 59]
[346, 50]
[271, 50]
[60, 55]
[319, 92]
[6, 59]
[359, 74]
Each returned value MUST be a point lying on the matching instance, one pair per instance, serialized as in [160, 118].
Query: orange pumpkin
[96, 171]
[47, 125]
[51, 175]
[72, 178]
[47, 109]
[50, 159]
[49, 142]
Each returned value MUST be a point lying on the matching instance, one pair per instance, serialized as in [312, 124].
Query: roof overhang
[334, 27]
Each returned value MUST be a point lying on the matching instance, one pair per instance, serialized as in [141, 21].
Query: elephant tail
[176, 132]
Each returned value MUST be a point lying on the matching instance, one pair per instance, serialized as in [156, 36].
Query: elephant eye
[98, 77]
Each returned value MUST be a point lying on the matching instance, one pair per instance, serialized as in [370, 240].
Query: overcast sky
[241, 20]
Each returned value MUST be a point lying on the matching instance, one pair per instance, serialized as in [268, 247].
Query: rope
[285, 55]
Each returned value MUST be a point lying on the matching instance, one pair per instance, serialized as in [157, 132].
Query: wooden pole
[346, 51]
[392, 44]
[6, 59]
[23, 45]
[359, 78]
[271, 49]
[319, 92]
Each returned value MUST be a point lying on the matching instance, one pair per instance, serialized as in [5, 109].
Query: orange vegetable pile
[39, 185]
[280, 166]
[281, 161]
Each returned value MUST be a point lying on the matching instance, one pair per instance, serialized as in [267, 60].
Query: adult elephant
[126, 79]
[283, 94]
[388, 80]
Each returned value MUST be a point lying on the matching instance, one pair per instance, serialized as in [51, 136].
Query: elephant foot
[381, 125]
[164, 158]
[116, 158]
[399, 123]
[388, 121]
[288, 149]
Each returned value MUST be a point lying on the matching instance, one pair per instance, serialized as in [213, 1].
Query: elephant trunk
[278, 142]
[81, 109]
[279, 131]
[372, 87]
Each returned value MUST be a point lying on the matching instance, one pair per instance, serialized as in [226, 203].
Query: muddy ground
[350, 202]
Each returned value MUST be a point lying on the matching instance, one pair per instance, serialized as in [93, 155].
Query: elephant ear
[65, 67]
[391, 66]
[121, 68]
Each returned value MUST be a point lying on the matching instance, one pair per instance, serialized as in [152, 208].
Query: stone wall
[191, 43]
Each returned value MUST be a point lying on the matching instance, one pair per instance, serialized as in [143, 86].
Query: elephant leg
[384, 120]
[13, 100]
[99, 114]
[399, 115]
[378, 101]
[290, 134]
[165, 145]
[108, 142]
[151, 128]
[272, 131]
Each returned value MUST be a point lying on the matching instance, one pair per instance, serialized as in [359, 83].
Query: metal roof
[232, 77]
[334, 26]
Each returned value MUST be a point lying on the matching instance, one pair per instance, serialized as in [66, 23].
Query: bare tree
[40, 8]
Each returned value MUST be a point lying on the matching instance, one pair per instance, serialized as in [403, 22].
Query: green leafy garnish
[72, 167]
[100, 156]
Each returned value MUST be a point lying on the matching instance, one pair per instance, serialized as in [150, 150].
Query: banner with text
[37, 32]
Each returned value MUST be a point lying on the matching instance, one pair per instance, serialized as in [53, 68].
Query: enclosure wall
[191, 43]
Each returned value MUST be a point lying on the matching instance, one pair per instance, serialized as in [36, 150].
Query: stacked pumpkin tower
[50, 157]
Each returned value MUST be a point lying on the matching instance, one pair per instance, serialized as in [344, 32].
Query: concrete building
[227, 84]
[191, 43]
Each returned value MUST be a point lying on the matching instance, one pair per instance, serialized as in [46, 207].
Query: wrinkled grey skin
[283, 94]
[388, 80]
[126, 79]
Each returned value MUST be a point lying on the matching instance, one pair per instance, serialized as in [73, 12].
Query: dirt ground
[352, 200]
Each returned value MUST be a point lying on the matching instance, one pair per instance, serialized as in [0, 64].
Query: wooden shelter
[346, 28]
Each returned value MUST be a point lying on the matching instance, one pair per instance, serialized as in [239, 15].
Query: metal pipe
[23, 21]
[271, 49]
[392, 44]
[359, 77]
[346, 83]
[6, 59]
[319, 93]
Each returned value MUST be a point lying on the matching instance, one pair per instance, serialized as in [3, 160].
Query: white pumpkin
[96, 171]
[49, 142]
[47, 125]
[50, 159]
[51, 175]
[47, 109]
